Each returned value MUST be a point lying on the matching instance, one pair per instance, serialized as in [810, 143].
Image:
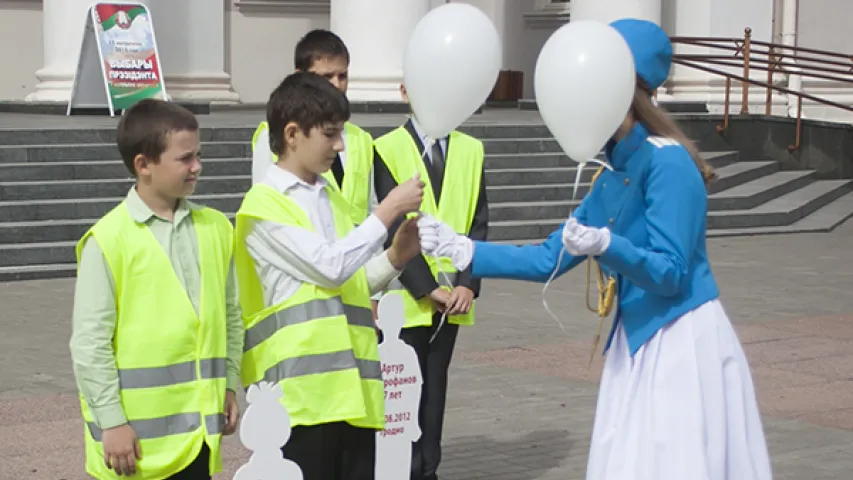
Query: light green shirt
[94, 317]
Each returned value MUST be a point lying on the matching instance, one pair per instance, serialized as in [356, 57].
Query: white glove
[438, 239]
[581, 240]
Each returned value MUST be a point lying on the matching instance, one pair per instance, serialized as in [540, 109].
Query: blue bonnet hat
[650, 47]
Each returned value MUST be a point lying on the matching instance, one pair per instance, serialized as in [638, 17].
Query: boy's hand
[121, 450]
[232, 413]
[460, 302]
[405, 245]
[404, 198]
[440, 298]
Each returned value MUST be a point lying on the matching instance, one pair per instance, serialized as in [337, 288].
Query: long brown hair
[657, 122]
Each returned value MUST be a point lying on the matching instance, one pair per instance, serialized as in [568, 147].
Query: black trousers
[434, 359]
[333, 451]
[198, 470]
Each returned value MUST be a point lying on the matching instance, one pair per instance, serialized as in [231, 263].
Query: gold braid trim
[606, 291]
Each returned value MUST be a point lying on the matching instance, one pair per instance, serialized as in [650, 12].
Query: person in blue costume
[676, 399]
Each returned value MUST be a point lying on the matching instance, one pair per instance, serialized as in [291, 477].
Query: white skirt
[683, 408]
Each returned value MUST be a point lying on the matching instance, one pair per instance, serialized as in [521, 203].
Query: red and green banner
[128, 52]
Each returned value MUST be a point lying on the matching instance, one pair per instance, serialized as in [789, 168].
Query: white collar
[421, 135]
[283, 180]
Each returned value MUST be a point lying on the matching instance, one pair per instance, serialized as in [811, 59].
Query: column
[63, 22]
[191, 41]
[651, 10]
[607, 12]
[376, 33]
[689, 84]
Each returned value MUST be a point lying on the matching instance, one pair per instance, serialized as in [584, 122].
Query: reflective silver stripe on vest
[304, 312]
[323, 363]
[214, 423]
[172, 425]
[171, 374]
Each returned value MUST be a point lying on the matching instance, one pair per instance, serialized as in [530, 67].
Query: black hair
[306, 99]
[318, 44]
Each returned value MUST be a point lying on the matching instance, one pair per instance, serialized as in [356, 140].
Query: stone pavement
[521, 397]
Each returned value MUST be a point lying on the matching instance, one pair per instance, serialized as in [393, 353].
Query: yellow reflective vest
[320, 344]
[171, 360]
[359, 162]
[459, 193]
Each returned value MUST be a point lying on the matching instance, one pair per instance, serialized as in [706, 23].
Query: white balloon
[450, 66]
[584, 85]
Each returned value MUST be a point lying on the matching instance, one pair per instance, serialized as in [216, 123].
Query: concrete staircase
[55, 184]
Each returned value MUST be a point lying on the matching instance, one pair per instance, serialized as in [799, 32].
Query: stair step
[511, 177]
[719, 159]
[520, 230]
[44, 231]
[502, 194]
[761, 190]
[101, 169]
[521, 145]
[62, 137]
[35, 272]
[104, 151]
[58, 209]
[783, 210]
[735, 174]
[113, 168]
[516, 160]
[108, 187]
[225, 184]
[42, 253]
[824, 219]
[107, 133]
[531, 210]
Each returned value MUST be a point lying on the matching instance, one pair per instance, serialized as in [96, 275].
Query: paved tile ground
[522, 398]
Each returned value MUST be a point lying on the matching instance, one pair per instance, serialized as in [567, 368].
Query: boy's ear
[291, 130]
[141, 164]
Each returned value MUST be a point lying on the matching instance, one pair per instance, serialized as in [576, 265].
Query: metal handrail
[769, 57]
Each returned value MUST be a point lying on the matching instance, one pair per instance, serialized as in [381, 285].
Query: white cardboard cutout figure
[264, 429]
[401, 374]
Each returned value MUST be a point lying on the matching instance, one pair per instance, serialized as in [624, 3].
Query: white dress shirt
[286, 256]
[442, 142]
[262, 159]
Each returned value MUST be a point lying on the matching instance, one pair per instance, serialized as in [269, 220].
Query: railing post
[744, 102]
[771, 65]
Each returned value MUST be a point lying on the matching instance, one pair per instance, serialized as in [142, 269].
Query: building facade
[236, 51]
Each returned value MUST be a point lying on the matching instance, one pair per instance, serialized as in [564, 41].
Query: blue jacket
[655, 205]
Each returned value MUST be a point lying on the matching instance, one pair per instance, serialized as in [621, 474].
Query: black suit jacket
[416, 276]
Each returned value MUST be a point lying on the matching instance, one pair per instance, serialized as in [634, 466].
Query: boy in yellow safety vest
[157, 333]
[324, 53]
[455, 193]
[306, 273]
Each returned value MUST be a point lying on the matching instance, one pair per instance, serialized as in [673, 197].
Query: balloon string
[429, 143]
[581, 166]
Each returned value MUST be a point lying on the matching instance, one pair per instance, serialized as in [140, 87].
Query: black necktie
[437, 157]
[338, 171]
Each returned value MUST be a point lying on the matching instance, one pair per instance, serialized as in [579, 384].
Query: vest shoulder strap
[354, 130]
[263, 202]
[263, 126]
[457, 137]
